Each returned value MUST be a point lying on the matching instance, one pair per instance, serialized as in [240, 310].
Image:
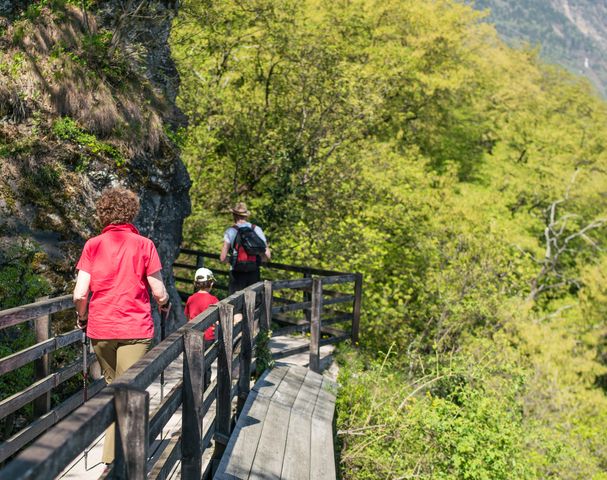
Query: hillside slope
[464, 179]
[573, 34]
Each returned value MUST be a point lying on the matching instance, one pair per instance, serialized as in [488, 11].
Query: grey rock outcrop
[48, 187]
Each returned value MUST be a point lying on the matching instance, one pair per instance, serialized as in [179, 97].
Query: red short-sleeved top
[198, 303]
[119, 260]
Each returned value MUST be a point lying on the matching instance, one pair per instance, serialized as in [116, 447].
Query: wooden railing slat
[168, 459]
[18, 400]
[340, 299]
[23, 357]
[291, 307]
[40, 425]
[165, 411]
[273, 265]
[211, 354]
[292, 284]
[210, 397]
[52, 452]
[344, 278]
[23, 313]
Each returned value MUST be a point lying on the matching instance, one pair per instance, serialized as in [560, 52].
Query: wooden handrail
[17, 315]
[273, 265]
[48, 455]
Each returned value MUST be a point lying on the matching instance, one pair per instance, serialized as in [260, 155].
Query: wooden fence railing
[207, 413]
[39, 393]
[284, 306]
[126, 401]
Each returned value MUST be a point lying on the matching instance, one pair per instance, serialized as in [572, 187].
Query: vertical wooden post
[266, 322]
[358, 297]
[224, 379]
[315, 324]
[191, 423]
[199, 261]
[307, 296]
[132, 431]
[246, 349]
[42, 324]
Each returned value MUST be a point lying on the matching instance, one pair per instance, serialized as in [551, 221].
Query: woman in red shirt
[118, 266]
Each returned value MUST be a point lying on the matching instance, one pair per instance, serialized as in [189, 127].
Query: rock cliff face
[87, 101]
[572, 33]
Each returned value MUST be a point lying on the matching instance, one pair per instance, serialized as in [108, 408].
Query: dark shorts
[241, 280]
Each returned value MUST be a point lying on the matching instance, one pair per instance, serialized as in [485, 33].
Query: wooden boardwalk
[302, 359]
[285, 430]
[179, 435]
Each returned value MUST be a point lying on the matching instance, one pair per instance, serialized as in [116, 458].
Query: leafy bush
[391, 426]
[263, 354]
[66, 128]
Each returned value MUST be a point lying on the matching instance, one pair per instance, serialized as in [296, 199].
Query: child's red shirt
[198, 303]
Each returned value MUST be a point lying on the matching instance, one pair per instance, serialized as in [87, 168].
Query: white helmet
[203, 275]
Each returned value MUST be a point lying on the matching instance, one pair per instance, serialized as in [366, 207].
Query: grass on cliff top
[57, 61]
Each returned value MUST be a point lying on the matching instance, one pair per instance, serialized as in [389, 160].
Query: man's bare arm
[223, 256]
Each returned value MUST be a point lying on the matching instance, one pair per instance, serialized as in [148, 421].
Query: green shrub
[19, 281]
[66, 128]
[392, 426]
[263, 354]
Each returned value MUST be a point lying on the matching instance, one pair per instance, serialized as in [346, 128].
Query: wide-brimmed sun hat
[203, 275]
[240, 209]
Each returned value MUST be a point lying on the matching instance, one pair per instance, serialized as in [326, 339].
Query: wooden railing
[39, 393]
[126, 401]
[206, 412]
[284, 306]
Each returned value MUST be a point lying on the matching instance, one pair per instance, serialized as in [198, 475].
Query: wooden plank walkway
[284, 342]
[285, 430]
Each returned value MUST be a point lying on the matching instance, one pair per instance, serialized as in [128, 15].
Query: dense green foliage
[403, 140]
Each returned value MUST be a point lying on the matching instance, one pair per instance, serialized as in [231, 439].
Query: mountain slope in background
[572, 33]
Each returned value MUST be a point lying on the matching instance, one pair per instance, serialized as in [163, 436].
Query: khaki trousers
[115, 358]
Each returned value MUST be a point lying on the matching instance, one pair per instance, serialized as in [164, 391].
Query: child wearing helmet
[202, 299]
[198, 302]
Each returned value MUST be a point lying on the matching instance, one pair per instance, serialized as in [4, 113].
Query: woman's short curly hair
[117, 205]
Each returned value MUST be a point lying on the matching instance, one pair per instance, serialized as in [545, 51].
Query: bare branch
[558, 242]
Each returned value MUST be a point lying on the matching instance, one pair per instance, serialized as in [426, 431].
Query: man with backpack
[245, 247]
